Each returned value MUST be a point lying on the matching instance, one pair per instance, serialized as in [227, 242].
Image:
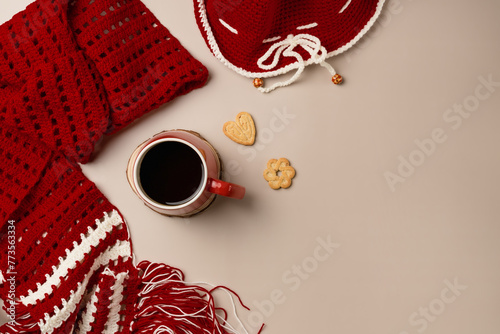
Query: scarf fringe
[166, 304]
[23, 324]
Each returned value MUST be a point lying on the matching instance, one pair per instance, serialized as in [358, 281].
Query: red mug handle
[225, 188]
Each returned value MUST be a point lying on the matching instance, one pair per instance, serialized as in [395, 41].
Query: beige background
[398, 250]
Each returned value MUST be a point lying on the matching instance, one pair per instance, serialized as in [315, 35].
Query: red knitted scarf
[71, 73]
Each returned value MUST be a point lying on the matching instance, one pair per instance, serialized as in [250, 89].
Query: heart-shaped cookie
[242, 130]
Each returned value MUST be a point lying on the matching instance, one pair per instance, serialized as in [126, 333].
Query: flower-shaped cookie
[279, 173]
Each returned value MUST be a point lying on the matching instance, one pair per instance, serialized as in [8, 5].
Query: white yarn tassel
[286, 47]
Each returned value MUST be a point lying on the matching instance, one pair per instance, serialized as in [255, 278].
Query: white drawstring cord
[286, 47]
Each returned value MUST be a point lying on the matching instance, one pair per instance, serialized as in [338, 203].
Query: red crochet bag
[261, 39]
[71, 73]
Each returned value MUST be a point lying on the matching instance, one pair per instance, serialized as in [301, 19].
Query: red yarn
[166, 302]
[71, 73]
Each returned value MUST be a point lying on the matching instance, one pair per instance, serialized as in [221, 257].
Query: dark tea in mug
[177, 173]
[171, 173]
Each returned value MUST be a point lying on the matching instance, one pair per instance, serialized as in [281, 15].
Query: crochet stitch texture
[71, 73]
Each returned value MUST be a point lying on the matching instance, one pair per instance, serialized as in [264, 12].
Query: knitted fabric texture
[261, 39]
[71, 73]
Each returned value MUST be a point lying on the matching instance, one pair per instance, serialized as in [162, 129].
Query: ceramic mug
[177, 173]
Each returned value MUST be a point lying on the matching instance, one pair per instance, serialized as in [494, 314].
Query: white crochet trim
[111, 326]
[2, 279]
[88, 315]
[363, 31]
[217, 53]
[120, 249]
[74, 257]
